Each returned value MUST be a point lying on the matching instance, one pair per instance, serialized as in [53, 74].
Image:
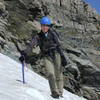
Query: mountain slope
[37, 88]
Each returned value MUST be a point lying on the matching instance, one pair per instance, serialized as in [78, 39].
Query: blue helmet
[45, 21]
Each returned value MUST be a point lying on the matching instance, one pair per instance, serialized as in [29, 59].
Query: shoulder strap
[55, 37]
[56, 33]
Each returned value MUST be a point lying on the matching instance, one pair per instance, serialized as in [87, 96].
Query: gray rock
[89, 72]
[90, 93]
[79, 27]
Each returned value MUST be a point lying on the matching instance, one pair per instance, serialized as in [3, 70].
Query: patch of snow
[36, 87]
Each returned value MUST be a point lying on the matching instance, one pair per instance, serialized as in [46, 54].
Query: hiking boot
[60, 94]
[55, 94]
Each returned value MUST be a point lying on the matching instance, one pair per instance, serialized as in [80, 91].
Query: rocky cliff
[77, 23]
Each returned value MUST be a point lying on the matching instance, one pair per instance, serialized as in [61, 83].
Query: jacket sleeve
[60, 50]
[32, 44]
[57, 39]
[58, 42]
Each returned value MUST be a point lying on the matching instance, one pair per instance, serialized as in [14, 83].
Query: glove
[21, 58]
[63, 61]
[23, 53]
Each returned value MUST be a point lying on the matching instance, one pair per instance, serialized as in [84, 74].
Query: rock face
[77, 23]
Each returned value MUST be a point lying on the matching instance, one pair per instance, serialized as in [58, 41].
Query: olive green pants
[54, 73]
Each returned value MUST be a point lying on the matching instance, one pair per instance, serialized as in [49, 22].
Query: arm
[32, 44]
[56, 38]
[60, 50]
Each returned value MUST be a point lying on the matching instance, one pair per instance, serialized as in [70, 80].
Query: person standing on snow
[54, 59]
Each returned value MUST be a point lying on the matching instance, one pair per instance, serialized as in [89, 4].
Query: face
[44, 28]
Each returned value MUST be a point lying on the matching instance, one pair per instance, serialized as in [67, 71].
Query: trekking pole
[23, 71]
[23, 62]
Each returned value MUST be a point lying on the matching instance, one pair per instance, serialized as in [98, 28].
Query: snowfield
[37, 88]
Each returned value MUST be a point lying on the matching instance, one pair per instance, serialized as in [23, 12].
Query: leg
[51, 75]
[59, 73]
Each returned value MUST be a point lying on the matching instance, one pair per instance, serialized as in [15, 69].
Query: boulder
[89, 93]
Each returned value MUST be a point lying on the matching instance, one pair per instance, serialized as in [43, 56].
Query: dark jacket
[48, 44]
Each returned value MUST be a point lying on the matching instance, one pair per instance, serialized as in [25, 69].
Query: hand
[23, 53]
[21, 58]
[63, 61]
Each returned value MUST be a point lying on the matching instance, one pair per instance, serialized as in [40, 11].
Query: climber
[53, 57]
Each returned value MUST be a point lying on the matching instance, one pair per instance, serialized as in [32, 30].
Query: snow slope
[37, 87]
